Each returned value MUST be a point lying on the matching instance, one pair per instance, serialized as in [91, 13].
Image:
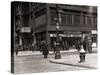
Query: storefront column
[48, 40]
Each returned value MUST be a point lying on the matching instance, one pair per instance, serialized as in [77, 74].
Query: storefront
[25, 39]
[67, 39]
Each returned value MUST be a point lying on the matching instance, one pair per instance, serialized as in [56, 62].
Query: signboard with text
[66, 35]
[25, 29]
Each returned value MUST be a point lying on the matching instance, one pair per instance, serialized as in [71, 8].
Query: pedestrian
[33, 45]
[89, 45]
[44, 49]
[78, 45]
[16, 50]
[86, 44]
[66, 45]
[82, 51]
[18, 47]
[63, 45]
[54, 46]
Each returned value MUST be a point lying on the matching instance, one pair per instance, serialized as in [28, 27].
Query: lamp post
[57, 54]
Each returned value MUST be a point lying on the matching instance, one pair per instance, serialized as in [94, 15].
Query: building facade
[38, 20]
[22, 24]
[75, 21]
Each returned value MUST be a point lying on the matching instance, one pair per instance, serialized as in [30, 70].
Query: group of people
[87, 44]
[81, 46]
[84, 46]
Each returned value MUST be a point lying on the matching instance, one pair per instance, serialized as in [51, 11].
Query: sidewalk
[25, 53]
[73, 60]
[70, 57]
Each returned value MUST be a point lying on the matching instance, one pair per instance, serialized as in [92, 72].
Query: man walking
[44, 49]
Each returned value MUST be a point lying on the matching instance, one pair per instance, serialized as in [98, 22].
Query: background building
[76, 21]
[38, 20]
[22, 21]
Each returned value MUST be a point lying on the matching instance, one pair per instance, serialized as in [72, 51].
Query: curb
[72, 64]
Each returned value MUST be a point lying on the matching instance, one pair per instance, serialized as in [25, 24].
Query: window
[84, 19]
[95, 20]
[89, 19]
[69, 19]
[63, 18]
[40, 12]
[53, 18]
[41, 20]
[76, 19]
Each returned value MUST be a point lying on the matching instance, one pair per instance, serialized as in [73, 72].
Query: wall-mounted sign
[66, 35]
[25, 29]
[94, 31]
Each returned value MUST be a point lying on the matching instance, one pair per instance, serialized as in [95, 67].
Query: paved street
[36, 63]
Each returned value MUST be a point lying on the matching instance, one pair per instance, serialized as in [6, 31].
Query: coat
[85, 45]
[44, 49]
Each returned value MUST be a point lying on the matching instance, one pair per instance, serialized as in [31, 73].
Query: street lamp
[57, 54]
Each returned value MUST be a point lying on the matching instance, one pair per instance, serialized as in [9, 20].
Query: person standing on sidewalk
[54, 46]
[82, 54]
[44, 49]
[33, 45]
[82, 51]
[18, 47]
[77, 45]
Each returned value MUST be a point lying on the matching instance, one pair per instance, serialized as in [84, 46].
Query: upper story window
[69, 18]
[76, 19]
[40, 12]
[53, 18]
[95, 20]
[84, 19]
[89, 19]
[63, 18]
[41, 20]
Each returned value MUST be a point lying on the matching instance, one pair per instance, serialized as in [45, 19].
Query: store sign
[73, 35]
[66, 35]
[26, 29]
[54, 35]
[94, 32]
